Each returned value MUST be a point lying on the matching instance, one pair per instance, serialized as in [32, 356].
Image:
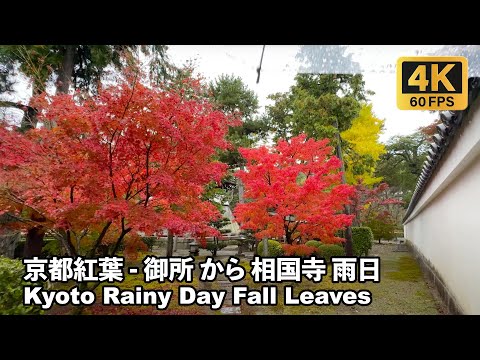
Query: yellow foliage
[364, 148]
[364, 133]
[366, 178]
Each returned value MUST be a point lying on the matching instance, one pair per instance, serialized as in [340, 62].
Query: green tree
[80, 66]
[321, 106]
[402, 163]
[382, 224]
[7, 69]
[233, 97]
[327, 92]
[315, 104]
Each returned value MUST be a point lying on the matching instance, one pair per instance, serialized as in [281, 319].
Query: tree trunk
[34, 242]
[66, 242]
[169, 244]
[288, 238]
[348, 232]
[240, 191]
[348, 242]
[29, 119]
[66, 70]
[265, 247]
[119, 240]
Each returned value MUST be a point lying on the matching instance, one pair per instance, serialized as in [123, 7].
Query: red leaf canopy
[294, 190]
[134, 155]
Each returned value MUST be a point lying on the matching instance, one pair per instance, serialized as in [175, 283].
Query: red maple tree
[368, 199]
[294, 190]
[131, 159]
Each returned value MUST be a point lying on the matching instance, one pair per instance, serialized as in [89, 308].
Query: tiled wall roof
[451, 122]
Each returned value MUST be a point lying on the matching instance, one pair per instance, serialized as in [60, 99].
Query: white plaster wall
[445, 224]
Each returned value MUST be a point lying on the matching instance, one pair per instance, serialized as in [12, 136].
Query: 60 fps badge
[432, 83]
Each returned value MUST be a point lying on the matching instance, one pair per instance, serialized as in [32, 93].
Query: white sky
[279, 68]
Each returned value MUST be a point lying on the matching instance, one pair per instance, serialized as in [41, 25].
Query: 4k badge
[432, 83]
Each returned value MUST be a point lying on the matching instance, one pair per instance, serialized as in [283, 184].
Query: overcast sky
[280, 66]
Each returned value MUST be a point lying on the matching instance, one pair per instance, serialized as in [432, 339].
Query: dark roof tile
[451, 122]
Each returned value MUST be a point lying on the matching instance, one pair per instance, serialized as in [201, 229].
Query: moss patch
[408, 270]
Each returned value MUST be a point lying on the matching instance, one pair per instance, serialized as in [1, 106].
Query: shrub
[328, 250]
[249, 240]
[246, 244]
[11, 289]
[149, 241]
[362, 238]
[302, 250]
[274, 248]
[314, 243]
[213, 247]
[52, 247]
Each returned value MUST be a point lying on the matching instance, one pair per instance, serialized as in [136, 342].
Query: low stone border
[451, 304]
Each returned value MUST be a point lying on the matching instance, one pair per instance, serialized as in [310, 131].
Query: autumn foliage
[363, 148]
[294, 190]
[371, 200]
[131, 159]
[301, 250]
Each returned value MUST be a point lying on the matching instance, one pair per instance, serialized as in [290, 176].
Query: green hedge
[274, 248]
[362, 238]
[328, 250]
[51, 247]
[314, 243]
[11, 289]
